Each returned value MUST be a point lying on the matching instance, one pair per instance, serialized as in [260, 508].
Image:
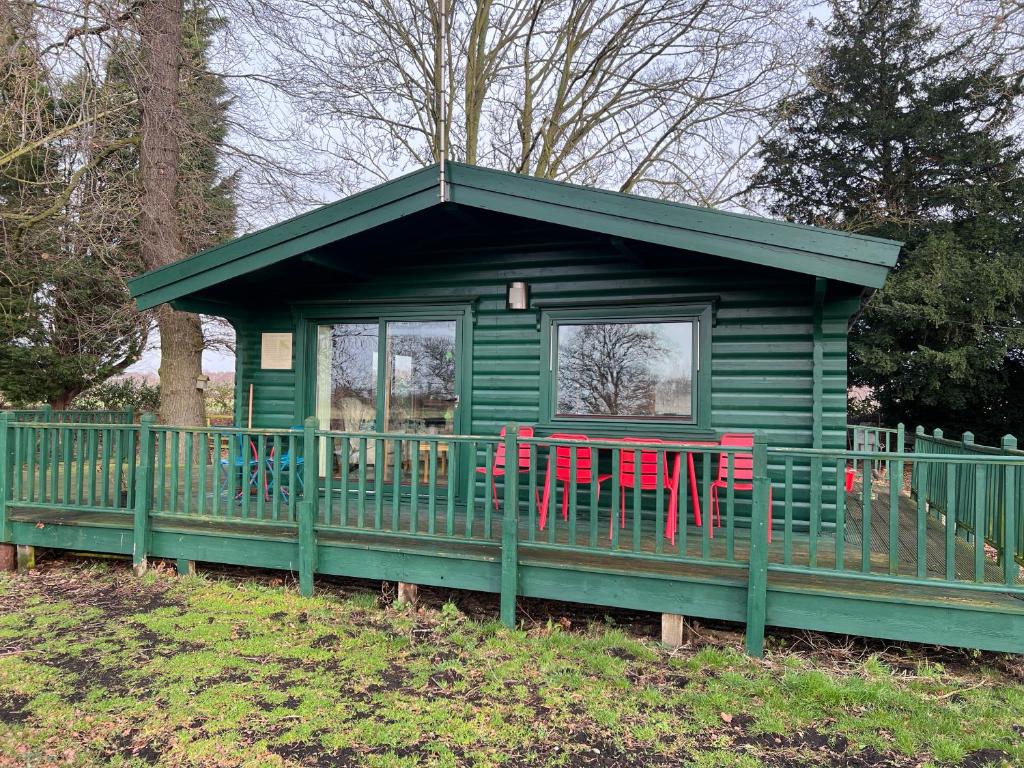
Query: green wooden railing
[408, 483]
[78, 466]
[986, 503]
[48, 415]
[612, 518]
[488, 493]
[878, 532]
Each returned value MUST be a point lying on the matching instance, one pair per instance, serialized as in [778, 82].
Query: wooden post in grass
[26, 558]
[186, 567]
[308, 507]
[408, 593]
[757, 585]
[674, 631]
[510, 529]
[7, 557]
[143, 495]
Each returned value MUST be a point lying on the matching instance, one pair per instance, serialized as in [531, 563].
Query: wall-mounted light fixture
[518, 296]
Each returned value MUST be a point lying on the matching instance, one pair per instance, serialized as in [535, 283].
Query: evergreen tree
[207, 195]
[896, 139]
[69, 209]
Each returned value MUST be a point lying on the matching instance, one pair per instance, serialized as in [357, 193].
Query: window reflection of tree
[433, 364]
[353, 373]
[612, 369]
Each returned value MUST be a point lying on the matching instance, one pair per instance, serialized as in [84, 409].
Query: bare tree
[181, 334]
[606, 369]
[656, 96]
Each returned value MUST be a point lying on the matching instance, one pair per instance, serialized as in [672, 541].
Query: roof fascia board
[764, 254]
[308, 223]
[172, 289]
[797, 237]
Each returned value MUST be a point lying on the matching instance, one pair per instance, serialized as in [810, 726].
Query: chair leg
[565, 500]
[545, 500]
[494, 490]
[769, 514]
[711, 512]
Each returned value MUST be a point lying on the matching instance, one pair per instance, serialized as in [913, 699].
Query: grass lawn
[236, 669]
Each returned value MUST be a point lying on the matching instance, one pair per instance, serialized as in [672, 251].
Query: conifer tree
[895, 138]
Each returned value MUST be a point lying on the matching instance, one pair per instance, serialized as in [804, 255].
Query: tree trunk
[181, 336]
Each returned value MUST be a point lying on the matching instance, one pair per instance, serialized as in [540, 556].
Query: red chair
[742, 473]
[499, 459]
[562, 461]
[648, 480]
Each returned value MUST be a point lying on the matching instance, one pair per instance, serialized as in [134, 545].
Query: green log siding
[762, 337]
[273, 392]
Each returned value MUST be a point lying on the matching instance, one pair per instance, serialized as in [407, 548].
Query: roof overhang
[842, 256]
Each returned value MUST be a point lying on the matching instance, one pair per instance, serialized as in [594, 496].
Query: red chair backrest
[648, 464]
[524, 450]
[742, 463]
[563, 458]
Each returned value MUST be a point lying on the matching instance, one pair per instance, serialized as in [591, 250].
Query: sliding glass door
[389, 375]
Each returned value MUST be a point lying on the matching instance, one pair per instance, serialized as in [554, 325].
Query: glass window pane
[421, 372]
[346, 388]
[625, 369]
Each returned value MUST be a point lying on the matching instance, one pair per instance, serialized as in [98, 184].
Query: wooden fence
[699, 508]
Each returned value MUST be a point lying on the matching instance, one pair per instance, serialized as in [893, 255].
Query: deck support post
[674, 632]
[143, 496]
[510, 529]
[8, 560]
[307, 509]
[408, 593]
[26, 558]
[757, 585]
[186, 567]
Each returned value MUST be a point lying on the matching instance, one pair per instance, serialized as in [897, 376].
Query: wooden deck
[695, 551]
[695, 575]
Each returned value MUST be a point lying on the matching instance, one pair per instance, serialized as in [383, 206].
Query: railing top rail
[969, 447]
[930, 458]
[74, 424]
[412, 436]
[225, 430]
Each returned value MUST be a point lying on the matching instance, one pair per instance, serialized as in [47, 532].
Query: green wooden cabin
[385, 340]
[755, 311]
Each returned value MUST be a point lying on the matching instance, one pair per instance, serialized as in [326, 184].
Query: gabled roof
[843, 256]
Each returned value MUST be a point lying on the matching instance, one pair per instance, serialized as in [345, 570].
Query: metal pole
[442, 104]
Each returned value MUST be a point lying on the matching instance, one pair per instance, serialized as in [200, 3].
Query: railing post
[918, 432]
[5, 478]
[143, 495]
[1010, 511]
[757, 584]
[510, 529]
[308, 507]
